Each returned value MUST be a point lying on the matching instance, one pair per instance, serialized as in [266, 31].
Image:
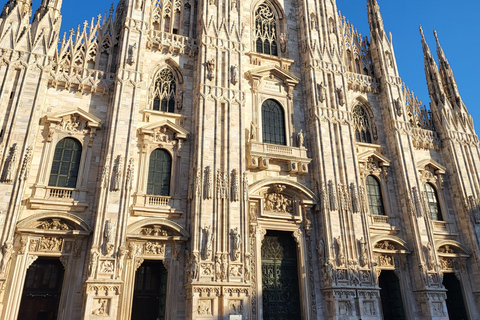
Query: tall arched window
[374, 193]
[362, 125]
[273, 123]
[265, 30]
[159, 172]
[165, 91]
[432, 203]
[66, 162]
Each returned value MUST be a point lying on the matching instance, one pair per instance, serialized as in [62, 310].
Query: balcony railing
[157, 201]
[59, 193]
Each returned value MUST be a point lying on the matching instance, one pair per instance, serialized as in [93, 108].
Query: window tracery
[361, 125]
[266, 30]
[165, 91]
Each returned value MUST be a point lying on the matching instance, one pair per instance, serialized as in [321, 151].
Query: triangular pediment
[92, 121]
[439, 169]
[179, 132]
[363, 157]
[275, 71]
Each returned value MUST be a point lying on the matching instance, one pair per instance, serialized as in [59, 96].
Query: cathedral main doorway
[391, 295]
[455, 302]
[150, 291]
[42, 290]
[281, 298]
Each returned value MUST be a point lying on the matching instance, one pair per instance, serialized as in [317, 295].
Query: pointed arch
[364, 122]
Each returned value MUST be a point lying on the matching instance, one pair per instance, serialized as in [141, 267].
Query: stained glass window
[165, 91]
[374, 193]
[273, 123]
[432, 202]
[361, 125]
[265, 31]
[66, 162]
[159, 172]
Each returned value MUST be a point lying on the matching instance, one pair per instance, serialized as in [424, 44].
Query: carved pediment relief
[58, 223]
[431, 171]
[373, 162]
[451, 248]
[272, 78]
[277, 201]
[157, 228]
[389, 244]
[163, 132]
[54, 224]
[74, 121]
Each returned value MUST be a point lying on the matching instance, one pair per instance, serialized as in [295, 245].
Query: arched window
[66, 162]
[362, 125]
[273, 123]
[159, 172]
[374, 193]
[165, 91]
[432, 203]
[265, 30]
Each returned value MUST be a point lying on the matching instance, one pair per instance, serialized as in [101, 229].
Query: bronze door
[42, 290]
[455, 302]
[281, 299]
[391, 296]
[150, 291]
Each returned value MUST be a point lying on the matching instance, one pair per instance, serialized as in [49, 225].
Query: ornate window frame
[432, 172]
[274, 83]
[169, 137]
[373, 163]
[77, 124]
[52, 234]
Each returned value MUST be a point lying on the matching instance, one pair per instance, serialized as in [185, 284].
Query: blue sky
[457, 24]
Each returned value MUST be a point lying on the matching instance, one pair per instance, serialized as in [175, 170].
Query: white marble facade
[188, 81]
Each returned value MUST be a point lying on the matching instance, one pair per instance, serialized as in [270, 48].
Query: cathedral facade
[226, 159]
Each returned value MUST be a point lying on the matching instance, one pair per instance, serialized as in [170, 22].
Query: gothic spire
[375, 18]
[448, 79]
[434, 81]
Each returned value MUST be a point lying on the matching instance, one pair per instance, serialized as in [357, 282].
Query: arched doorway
[391, 296]
[150, 291]
[455, 302]
[281, 298]
[42, 290]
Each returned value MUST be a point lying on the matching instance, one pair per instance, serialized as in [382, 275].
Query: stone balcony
[260, 154]
[55, 198]
[152, 205]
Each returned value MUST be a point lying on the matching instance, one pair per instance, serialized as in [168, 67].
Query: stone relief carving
[132, 54]
[71, 123]
[321, 92]
[300, 139]
[50, 244]
[53, 224]
[345, 308]
[341, 96]
[210, 65]
[10, 164]
[100, 307]
[236, 238]
[431, 259]
[340, 254]
[106, 172]
[398, 107]
[321, 250]
[253, 131]
[108, 235]
[208, 183]
[7, 253]
[245, 188]
[363, 252]
[332, 195]
[385, 260]
[204, 307]
[107, 266]
[354, 197]
[27, 160]
[385, 245]
[235, 186]
[117, 174]
[222, 184]
[247, 267]
[77, 248]
[208, 241]
[130, 174]
[234, 71]
[154, 248]
[92, 265]
[283, 42]
[224, 267]
[278, 202]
